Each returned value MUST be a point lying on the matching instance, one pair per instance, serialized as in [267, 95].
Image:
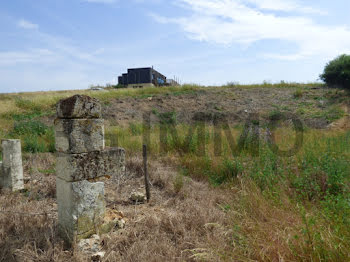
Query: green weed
[136, 129]
[36, 136]
[32, 144]
[178, 183]
[298, 93]
[167, 118]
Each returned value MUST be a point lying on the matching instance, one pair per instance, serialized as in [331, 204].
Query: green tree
[337, 72]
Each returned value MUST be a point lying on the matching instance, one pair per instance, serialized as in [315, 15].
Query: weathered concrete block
[81, 208]
[76, 167]
[79, 135]
[11, 167]
[78, 106]
[81, 160]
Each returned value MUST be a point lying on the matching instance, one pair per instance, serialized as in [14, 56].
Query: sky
[72, 44]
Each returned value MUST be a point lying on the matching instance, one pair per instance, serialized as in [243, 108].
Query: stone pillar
[11, 169]
[81, 160]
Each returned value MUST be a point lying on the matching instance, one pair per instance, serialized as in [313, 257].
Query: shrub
[167, 118]
[337, 72]
[276, 115]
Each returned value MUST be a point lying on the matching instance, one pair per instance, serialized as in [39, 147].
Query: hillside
[315, 105]
[204, 206]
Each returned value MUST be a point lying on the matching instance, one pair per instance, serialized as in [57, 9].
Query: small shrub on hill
[167, 118]
[298, 93]
[276, 115]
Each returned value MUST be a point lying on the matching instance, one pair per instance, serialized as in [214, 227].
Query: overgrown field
[295, 208]
[221, 192]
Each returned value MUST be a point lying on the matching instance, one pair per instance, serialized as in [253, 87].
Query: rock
[92, 244]
[11, 169]
[98, 256]
[81, 208]
[111, 221]
[77, 167]
[121, 223]
[138, 197]
[78, 106]
[79, 135]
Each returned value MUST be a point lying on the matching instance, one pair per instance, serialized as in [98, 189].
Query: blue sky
[71, 44]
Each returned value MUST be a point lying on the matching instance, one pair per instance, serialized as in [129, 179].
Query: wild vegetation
[245, 202]
[297, 204]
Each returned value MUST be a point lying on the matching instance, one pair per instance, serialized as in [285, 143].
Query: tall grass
[315, 181]
[36, 136]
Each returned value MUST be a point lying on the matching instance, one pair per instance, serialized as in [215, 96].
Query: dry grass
[174, 226]
[27, 236]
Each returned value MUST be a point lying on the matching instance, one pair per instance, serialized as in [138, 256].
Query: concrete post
[81, 159]
[11, 169]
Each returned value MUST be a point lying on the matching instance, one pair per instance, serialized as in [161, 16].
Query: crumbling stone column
[11, 169]
[81, 160]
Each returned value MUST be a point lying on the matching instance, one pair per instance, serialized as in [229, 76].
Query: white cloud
[31, 56]
[27, 25]
[55, 50]
[283, 5]
[227, 22]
